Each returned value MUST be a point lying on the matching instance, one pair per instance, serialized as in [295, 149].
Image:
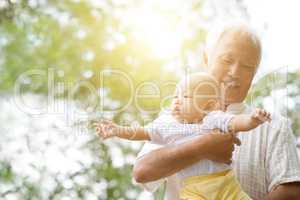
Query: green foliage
[69, 44]
[283, 87]
[6, 174]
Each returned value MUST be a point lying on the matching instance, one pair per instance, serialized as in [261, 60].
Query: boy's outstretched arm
[246, 122]
[132, 133]
[107, 129]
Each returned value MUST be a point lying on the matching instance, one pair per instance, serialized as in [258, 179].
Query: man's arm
[287, 191]
[283, 164]
[168, 160]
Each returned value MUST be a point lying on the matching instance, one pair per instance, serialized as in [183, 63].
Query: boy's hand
[260, 116]
[106, 129]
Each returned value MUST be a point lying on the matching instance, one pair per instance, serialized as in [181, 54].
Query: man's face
[233, 62]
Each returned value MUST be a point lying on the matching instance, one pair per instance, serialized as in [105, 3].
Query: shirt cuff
[272, 186]
[154, 135]
[228, 127]
[150, 186]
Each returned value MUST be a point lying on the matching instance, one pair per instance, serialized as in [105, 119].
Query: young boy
[194, 111]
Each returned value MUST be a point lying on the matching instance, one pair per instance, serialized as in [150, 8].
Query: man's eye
[186, 96]
[248, 67]
[227, 61]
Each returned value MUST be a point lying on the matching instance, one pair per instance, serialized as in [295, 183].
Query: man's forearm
[168, 160]
[288, 191]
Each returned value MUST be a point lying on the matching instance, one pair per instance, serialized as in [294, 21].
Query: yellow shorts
[216, 186]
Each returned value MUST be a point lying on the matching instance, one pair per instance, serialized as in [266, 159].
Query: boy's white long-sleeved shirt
[166, 130]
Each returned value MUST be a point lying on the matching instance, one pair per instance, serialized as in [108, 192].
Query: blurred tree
[89, 50]
[278, 92]
[69, 44]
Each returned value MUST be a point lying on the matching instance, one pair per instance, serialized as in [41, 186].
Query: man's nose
[234, 70]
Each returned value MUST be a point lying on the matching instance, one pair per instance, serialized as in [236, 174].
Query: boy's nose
[177, 100]
[175, 104]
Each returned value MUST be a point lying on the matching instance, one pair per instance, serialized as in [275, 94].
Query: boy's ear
[211, 105]
[205, 58]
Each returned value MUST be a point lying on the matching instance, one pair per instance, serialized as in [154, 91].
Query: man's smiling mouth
[231, 84]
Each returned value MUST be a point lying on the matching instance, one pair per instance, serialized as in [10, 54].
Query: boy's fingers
[258, 112]
[254, 114]
[261, 115]
[269, 117]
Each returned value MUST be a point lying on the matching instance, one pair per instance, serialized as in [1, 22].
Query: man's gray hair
[218, 31]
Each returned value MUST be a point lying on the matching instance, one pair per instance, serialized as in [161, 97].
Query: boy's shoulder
[164, 118]
[216, 114]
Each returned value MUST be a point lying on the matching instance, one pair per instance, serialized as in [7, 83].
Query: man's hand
[220, 146]
[168, 160]
[285, 191]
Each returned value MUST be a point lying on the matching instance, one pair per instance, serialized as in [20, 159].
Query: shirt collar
[236, 108]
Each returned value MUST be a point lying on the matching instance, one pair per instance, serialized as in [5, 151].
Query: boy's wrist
[254, 122]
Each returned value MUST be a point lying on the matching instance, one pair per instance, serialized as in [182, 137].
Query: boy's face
[234, 62]
[188, 106]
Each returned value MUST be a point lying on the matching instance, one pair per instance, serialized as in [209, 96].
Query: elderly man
[266, 164]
